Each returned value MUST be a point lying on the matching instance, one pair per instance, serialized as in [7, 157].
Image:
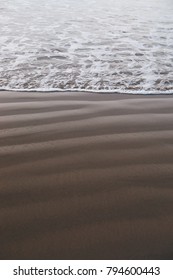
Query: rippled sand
[86, 176]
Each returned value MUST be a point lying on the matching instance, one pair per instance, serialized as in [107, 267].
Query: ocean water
[87, 45]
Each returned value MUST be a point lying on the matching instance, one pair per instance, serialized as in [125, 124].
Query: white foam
[150, 92]
[90, 45]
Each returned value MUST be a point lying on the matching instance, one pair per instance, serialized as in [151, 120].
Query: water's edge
[142, 92]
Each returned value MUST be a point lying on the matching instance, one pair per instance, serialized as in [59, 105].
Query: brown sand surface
[86, 176]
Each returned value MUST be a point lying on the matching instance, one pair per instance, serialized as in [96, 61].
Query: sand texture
[86, 176]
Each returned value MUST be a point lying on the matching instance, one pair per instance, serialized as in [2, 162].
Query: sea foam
[89, 45]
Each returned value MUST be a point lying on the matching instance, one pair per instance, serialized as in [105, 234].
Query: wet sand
[86, 176]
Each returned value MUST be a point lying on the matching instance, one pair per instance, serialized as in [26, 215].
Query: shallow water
[89, 45]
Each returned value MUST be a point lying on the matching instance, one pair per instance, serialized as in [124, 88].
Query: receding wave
[95, 45]
[154, 92]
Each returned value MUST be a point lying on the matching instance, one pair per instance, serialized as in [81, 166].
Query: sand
[86, 176]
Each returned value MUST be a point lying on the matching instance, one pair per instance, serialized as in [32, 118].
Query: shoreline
[86, 175]
[84, 91]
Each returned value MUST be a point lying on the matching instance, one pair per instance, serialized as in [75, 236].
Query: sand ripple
[86, 176]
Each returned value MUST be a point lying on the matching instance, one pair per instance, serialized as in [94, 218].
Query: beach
[86, 176]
